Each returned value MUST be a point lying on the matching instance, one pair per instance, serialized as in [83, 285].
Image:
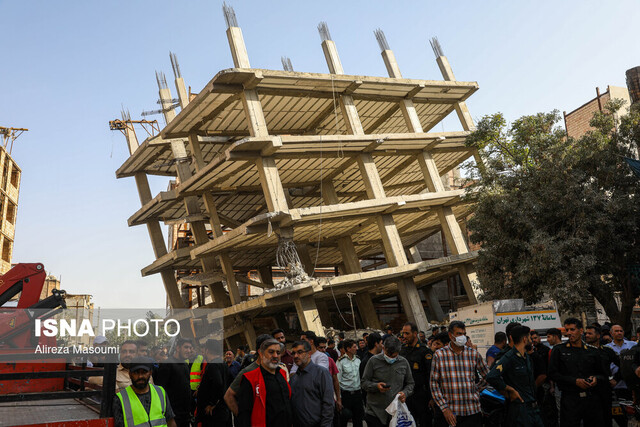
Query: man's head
[128, 350]
[592, 335]
[340, 336]
[606, 336]
[457, 333]
[331, 343]
[554, 336]
[440, 340]
[211, 351]
[409, 334]
[443, 328]
[143, 348]
[278, 334]
[422, 336]
[100, 341]
[140, 372]
[535, 337]
[309, 336]
[300, 351]
[510, 327]
[365, 335]
[392, 347]
[500, 339]
[241, 351]
[259, 340]
[270, 353]
[321, 344]
[617, 333]
[184, 348]
[361, 344]
[228, 356]
[374, 343]
[520, 336]
[350, 348]
[341, 349]
[573, 327]
[388, 330]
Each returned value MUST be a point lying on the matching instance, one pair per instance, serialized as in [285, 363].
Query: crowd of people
[569, 380]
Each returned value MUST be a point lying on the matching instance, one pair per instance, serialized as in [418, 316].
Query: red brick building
[577, 121]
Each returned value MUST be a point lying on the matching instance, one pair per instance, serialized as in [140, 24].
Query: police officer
[609, 358]
[513, 375]
[419, 357]
[577, 369]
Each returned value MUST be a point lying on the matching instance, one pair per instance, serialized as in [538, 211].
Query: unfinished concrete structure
[9, 190]
[305, 170]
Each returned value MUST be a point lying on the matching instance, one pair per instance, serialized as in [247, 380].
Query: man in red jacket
[265, 395]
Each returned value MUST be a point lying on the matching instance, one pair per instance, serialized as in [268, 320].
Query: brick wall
[578, 120]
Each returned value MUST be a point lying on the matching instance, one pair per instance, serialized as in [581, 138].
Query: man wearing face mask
[386, 375]
[453, 381]
[513, 376]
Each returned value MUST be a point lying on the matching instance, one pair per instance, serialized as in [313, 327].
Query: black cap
[141, 362]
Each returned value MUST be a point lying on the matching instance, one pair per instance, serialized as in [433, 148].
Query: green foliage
[558, 216]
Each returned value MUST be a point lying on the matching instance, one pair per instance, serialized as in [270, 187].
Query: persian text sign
[543, 319]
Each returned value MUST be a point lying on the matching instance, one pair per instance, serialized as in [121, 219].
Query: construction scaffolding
[291, 172]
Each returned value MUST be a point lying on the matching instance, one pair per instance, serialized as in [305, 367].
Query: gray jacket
[397, 375]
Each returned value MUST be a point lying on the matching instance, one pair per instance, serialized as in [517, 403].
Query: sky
[68, 67]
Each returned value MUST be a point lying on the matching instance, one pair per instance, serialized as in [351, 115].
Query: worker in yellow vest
[196, 372]
[142, 404]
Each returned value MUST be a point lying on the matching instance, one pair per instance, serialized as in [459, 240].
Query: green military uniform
[516, 370]
[419, 358]
[568, 363]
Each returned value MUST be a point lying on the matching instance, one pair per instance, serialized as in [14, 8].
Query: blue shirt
[234, 368]
[493, 351]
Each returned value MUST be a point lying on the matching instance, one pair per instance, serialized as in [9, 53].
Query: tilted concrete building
[301, 171]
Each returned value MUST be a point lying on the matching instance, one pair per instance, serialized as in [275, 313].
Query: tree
[558, 216]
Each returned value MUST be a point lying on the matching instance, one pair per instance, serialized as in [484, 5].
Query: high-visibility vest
[259, 414]
[134, 413]
[196, 373]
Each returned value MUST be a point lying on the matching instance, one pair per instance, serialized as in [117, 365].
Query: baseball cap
[141, 362]
[100, 339]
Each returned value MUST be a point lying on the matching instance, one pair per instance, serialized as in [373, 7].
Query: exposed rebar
[162, 80]
[286, 63]
[125, 114]
[229, 15]
[323, 29]
[382, 40]
[435, 45]
[175, 65]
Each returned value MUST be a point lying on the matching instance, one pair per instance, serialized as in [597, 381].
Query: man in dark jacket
[211, 408]
[174, 376]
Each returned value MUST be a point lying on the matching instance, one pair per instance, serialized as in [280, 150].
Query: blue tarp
[634, 165]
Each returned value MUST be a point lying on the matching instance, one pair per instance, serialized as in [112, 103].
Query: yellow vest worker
[142, 404]
[196, 373]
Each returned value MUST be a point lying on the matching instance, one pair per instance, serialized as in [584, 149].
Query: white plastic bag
[401, 417]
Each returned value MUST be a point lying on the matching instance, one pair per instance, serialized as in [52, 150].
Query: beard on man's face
[141, 383]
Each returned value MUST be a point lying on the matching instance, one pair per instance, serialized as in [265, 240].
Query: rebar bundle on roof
[162, 80]
[175, 65]
[435, 45]
[286, 63]
[229, 15]
[323, 29]
[382, 40]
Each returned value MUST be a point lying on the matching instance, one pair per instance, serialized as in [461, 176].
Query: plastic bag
[401, 417]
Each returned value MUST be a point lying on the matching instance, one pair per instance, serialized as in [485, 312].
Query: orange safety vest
[259, 414]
